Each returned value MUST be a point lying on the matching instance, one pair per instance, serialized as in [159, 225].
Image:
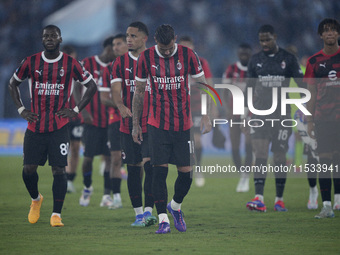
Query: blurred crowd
[217, 27]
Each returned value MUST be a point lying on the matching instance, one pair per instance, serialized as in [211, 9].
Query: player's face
[119, 47]
[166, 50]
[135, 39]
[268, 42]
[330, 35]
[51, 39]
[244, 55]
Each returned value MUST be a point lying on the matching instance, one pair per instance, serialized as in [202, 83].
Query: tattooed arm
[137, 108]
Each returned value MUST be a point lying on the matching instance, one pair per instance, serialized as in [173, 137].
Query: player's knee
[57, 170]
[30, 169]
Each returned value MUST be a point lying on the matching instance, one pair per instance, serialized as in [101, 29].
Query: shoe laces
[180, 216]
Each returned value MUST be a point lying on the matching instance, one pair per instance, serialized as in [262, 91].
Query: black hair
[120, 36]
[333, 23]
[186, 38]
[108, 41]
[244, 46]
[68, 49]
[266, 29]
[164, 34]
[53, 27]
[141, 27]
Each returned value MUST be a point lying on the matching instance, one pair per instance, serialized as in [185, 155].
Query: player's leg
[325, 137]
[106, 199]
[160, 150]
[312, 178]
[280, 146]
[35, 153]
[116, 162]
[57, 156]
[260, 139]
[75, 132]
[132, 156]
[183, 158]
[336, 180]
[149, 202]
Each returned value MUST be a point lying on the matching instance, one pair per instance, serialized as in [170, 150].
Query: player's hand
[310, 130]
[206, 125]
[124, 111]
[29, 116]
[67, 113]
[137, 134]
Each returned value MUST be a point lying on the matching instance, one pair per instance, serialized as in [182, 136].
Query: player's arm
[116, 90]
[137, 108]
[15, 94]
[206, 125]
[91, 89]
[106, 99]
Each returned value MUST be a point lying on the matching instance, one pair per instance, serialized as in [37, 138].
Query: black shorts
[327, 136]
[52, 145]
[171, 147]
[95, 141]
[131, 151]
[114, 136]
[277, 134]
[75, 130]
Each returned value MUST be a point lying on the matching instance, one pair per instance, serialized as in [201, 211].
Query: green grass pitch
[217, 220]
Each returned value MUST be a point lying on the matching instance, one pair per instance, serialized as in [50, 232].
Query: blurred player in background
[95, 117]
[114, 124]
[271, 68]
[53, 74]
[134, 155]
[236, 74]
[310, 148]
[322, 76]
[75, 131]
[195, 96]
[167, 66]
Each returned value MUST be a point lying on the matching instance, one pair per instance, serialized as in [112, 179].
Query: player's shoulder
[314, 58]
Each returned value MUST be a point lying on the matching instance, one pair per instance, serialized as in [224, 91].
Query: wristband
[21, 109]
[76, 109]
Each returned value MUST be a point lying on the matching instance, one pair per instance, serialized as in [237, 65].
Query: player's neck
[51, 55]
[330, 49]
[138, 51]
[104, 58]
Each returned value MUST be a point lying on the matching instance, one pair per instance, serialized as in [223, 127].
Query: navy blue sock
[148, 197]
[159, 188]
[260, 177]
[134, 183]
[31, 182]
[59, 189]
[325, 180]
[182, 186]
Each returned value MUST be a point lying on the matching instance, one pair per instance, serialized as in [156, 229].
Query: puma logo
[155, 66]
[130, 70]
[323, 65]
[39, 72]
[259, 65]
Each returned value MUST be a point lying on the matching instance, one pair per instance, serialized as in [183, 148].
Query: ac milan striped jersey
[114, 115]
[169, 81]
[195, 93]
[97, 110]
[323, 71]
[124, 71]
[51, 82]
[235, 74]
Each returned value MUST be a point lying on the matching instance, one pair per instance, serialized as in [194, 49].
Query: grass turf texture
[217, 220]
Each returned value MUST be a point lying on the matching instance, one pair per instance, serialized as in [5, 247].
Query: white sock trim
[138, 210]
[163, 217]
[36, 199]
[278, 198]
[175, 206]
[148, 209]
[58, 214]
[260, 197]
[327, 203]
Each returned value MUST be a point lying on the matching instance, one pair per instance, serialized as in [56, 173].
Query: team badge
[283, 64]
[62, 72]
[179, 65]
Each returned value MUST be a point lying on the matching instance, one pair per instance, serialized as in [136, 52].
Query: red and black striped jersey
[51, 82]
[323, 71]
[114, 115]
[124, 71]
[236, 74]
[169, 81]
[195, 93]
[97, 110]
